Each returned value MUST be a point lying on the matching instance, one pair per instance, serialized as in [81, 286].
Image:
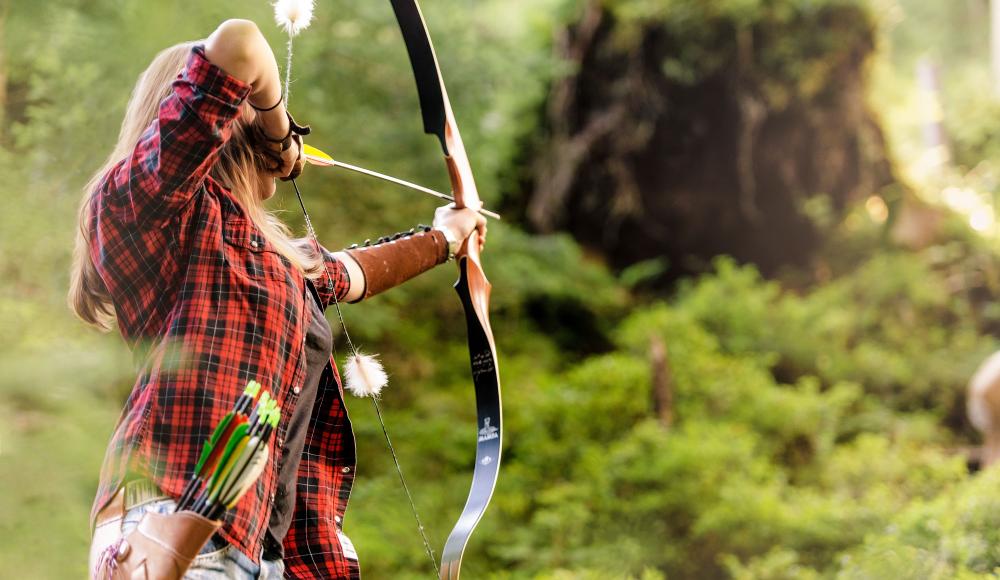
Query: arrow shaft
[404, 183]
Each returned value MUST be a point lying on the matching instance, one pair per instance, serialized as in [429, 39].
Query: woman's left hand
[461, 222]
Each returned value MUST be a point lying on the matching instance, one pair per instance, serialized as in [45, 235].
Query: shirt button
[336, 519]
[297, 390]
[253, 243]
[281, 441]
[345, 469]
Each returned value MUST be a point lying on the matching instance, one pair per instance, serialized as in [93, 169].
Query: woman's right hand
[283, 160]
[298, 163]
[290, 161]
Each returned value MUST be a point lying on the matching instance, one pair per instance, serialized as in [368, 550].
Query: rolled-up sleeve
[335, 281]
[175, 153]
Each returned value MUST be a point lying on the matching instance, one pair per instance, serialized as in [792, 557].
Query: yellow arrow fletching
[315, 156]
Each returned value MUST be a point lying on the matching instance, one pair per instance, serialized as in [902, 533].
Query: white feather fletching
[293, 15]
[364, 375]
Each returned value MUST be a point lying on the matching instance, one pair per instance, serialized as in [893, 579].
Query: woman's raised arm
[169, 162]
[239, 48]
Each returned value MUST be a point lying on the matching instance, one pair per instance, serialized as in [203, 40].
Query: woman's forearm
[377, 268]
[239, 48]
[392, 261]
[354, 273]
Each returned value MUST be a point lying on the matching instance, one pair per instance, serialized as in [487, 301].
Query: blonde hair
[236, 168]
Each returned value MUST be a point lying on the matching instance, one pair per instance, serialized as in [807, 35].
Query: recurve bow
[472, 286]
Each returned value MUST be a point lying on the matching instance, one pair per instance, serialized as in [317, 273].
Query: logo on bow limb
[488, 431]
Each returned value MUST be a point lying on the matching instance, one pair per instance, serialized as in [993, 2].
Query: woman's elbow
[234, 46]
[238, 32]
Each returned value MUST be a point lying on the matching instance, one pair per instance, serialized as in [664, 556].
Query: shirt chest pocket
[249, 254]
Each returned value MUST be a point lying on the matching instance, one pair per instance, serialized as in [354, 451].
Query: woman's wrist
[454, 243]
[459, 223]
[276, 125]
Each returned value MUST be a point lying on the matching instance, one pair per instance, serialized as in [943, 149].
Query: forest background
[793, 410]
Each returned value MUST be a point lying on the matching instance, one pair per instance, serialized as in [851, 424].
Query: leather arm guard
[392, 261]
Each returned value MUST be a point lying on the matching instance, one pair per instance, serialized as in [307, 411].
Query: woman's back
[210, 304]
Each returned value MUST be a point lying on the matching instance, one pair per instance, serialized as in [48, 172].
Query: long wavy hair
[237, 168]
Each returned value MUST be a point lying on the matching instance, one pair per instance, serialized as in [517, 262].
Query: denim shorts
[218, 560]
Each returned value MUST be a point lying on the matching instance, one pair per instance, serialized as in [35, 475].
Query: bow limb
[472, 286]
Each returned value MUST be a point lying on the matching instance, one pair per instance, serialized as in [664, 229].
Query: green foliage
[750, 464]
[951, 536]
[972, 122]
[757, 478]
[951, 37]
[807, 439]
[778, 564]
[800, 44]
[892, 296]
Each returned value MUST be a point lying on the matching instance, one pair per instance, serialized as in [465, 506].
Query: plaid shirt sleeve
[335, 281]
[177, 150]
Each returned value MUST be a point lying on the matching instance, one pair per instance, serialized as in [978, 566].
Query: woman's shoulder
[111, 194]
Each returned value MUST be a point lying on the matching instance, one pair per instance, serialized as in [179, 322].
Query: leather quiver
[161, 547]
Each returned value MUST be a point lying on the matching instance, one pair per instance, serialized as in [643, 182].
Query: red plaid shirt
[207, 304]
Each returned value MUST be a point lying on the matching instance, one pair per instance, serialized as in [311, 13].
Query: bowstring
[378, 410]
[347, 336]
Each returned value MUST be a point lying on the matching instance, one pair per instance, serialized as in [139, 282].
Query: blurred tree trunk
[995, 43]
[662, 382]
[3, 67]
[936, 154]
[678, 141]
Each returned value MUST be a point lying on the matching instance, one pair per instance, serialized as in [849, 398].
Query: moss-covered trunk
[693, 128]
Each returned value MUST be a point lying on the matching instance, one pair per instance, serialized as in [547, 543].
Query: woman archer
[211, 291]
